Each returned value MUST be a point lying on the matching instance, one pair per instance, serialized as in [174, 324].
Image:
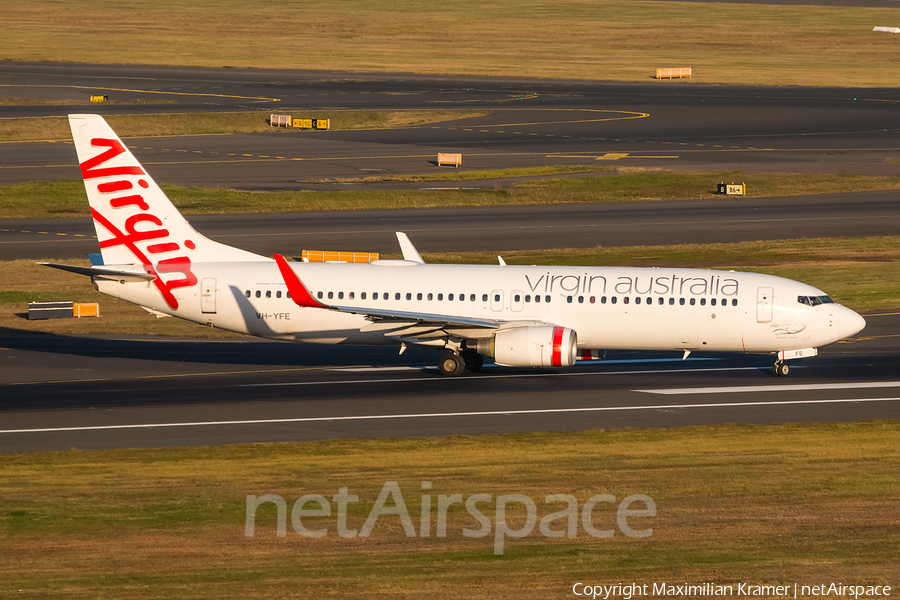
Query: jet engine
[535, 346]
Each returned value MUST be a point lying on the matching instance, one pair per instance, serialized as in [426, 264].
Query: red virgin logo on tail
[91, 169]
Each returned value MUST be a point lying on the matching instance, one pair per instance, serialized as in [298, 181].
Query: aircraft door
[497, 300]
[516, 302]
[764, 297]
[208, 295]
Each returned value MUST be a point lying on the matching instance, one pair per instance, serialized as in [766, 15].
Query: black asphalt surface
[672, 124]
[110, 393]
[503, 229]
[107, 392]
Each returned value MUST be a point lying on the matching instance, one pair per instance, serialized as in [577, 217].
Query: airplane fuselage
[608, 307]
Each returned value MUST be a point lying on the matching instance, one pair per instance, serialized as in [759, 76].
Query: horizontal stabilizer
[105, 272]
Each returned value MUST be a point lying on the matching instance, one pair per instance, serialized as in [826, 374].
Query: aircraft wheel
[451, 365]
[474, 361]
[780, 369]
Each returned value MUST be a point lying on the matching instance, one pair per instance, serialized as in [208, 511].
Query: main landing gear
[452, 365]
[780, 369]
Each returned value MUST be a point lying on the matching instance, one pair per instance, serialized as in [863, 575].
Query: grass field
[169, 124]
[781, 504]
[67, 198]
[614, 39]
[863, 273]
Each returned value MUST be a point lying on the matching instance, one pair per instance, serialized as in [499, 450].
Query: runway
[63, 392]
[503, 229]
[112, 393]
[670, 124]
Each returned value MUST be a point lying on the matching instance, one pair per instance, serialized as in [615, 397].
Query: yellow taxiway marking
[201, 374]
[83, 87]
[607, 156]
[539, 227]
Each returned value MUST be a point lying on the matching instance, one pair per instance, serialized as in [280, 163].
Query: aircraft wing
[397, 323]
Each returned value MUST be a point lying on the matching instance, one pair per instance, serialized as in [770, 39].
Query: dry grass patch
[172, 124]
[735, 503]
[66, 198]
[764, 44]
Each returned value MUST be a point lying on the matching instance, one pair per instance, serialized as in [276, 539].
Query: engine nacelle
[535, 346]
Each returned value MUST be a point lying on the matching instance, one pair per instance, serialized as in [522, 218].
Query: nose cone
[849, 323]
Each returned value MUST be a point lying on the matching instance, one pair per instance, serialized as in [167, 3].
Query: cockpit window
[814, 300]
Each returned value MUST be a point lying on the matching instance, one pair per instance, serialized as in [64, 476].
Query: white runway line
[774, 388]
[483, 377]
[453, 414]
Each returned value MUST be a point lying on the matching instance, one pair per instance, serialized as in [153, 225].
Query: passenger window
[409, 295]
[693, 301]
[278, 294]
[592, 299]
[580, 299]
[247, 293]
[625, 299]
[702, 301]
[340, 295]
[734, 302]
[351, 295]
[430, 297]
[546, 298]
[712, 302]
[636, 300]
[258, 294]
[602, 299]
[496, 297]
[569, 299]
[537, 298]
[527, 298]
[724, 301]
[319, 295]
[268, 293]
[483, 298]
[418, 296]
[397, 296]
[450, 297]
[662, 301]
[362, 296]
[472, 297]
[330, 295]
[671, 301]
[517, 298]
[614, 299]
[681, 301]
[374, 295]
[440, 297]
[288, 295]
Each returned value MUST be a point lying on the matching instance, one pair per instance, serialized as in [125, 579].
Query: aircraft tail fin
[136, 223]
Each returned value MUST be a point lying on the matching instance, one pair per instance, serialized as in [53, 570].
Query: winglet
[299, 294]
[409, 251]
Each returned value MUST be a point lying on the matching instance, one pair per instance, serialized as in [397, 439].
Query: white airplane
[528, 316]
